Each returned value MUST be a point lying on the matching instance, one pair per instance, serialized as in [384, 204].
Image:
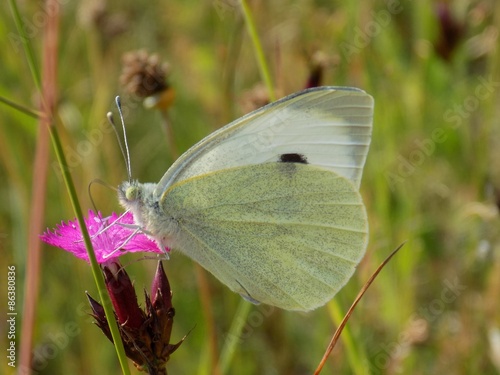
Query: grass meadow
[432, 177]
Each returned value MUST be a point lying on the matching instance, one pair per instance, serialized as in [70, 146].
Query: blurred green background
[432, 177]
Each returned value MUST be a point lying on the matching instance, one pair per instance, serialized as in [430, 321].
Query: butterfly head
[136, 197]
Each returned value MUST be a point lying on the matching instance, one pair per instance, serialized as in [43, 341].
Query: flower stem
[96, 270]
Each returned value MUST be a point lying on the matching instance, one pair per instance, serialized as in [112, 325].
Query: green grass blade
[28, 48]
[259, 52]
[232, 339]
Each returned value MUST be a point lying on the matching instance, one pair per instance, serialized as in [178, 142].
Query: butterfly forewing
[331, 126]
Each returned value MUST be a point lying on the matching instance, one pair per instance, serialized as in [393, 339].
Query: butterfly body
[269, 204]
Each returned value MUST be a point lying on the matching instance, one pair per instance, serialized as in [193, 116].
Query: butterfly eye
[132, 193]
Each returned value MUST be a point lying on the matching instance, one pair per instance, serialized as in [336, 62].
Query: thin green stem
[28, 48]
[21, 108]
[233, 338]
[261, 60]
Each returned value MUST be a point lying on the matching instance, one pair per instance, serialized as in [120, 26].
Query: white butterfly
[269, 204]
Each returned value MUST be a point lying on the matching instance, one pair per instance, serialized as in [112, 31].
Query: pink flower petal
[107, 243]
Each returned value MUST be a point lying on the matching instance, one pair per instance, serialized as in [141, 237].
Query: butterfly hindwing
[285, 234]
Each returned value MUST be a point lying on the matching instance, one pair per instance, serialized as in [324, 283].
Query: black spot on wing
[293, 158]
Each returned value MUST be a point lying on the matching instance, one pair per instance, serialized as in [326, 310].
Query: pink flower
[109, 241]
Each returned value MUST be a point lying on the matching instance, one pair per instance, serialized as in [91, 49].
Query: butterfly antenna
[111, 120]
[129, 168]
[125, 151]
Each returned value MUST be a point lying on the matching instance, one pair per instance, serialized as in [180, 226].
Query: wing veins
[318, 249]
[198, 239]
[256, 222]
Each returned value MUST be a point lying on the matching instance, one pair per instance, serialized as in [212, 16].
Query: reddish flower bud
[160, 289]
[317, 65]
[99, 315]
[145, 334]
[122, 294]
[451, 31]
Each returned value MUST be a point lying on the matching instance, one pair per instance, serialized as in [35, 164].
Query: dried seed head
[143, 74]
[254, 98]
[96, 14]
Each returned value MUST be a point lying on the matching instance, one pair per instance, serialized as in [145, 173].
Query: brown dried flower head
[96, 14]
[146, 76]
[254, 98]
